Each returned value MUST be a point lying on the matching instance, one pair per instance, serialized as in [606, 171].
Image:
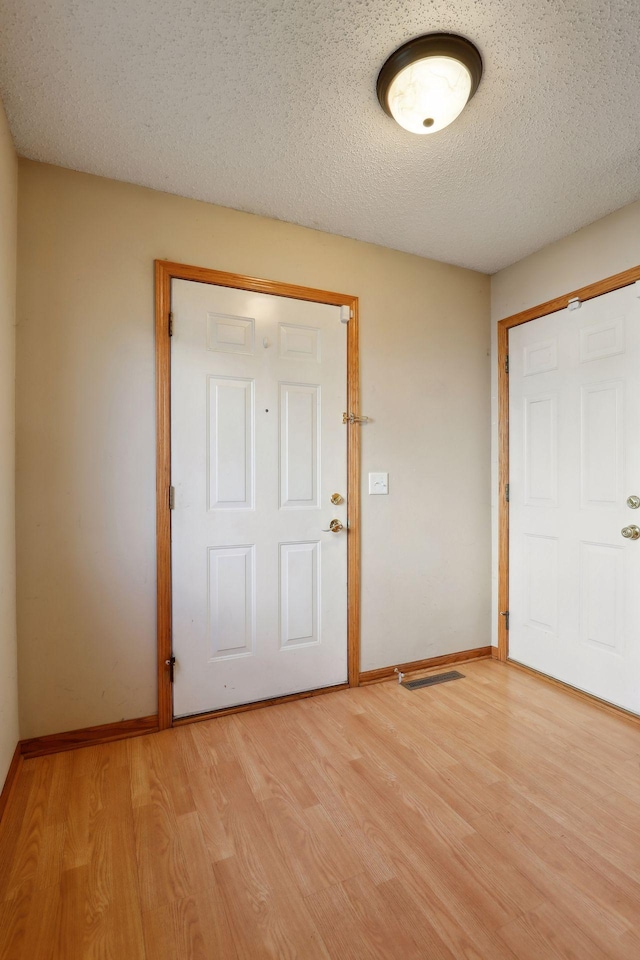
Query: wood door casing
[588, 292]
[165, 272]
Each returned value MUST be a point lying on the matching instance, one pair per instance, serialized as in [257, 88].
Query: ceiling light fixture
[428, 81]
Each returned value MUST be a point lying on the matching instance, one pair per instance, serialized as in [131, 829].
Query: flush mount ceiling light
[428, 81]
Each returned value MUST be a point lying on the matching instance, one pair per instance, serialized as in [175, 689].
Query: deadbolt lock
[631, 532]
[336, 499]
[633, 502]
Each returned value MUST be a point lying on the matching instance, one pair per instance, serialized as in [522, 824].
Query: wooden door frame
[615, 282]
[165, 272]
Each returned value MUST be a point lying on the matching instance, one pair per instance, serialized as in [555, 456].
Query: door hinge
[506, 493]
[170, 324]
[172, 498]
[352, 418]
[346, 313]
[505, 614]
[171, 662]
[506, 363]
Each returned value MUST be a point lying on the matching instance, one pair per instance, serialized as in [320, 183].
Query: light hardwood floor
[491, 818]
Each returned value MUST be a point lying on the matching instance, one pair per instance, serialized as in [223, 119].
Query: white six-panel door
[258, 388]
[574, 454]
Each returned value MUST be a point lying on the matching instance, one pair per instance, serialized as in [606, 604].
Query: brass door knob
[631, 533]
[335, 527]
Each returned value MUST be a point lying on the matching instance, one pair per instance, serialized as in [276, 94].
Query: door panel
[230, 447]
[231, 601]
[574, 423]
[601, 595]
[300, 406]
[541, 584]
[601, 448]
[299, 593]
[541, 450]
[258, 448]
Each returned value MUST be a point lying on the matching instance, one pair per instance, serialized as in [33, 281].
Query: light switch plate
[378, 483]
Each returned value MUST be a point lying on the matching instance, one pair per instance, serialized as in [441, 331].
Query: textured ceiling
[270, 106]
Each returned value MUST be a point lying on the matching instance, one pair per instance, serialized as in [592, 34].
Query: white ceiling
[270, 106]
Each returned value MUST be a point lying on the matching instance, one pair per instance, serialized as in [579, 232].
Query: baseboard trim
[387, 673]
[108, 732]
[88, 736]
[611, 708]
[11, 779]
[495, 653]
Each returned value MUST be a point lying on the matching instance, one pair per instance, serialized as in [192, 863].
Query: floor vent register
[432, 680]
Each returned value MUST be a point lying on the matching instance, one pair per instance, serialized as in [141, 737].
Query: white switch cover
[378, 483]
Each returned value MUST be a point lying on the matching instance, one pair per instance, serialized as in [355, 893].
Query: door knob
[631, 533]
[633, 502]
[335, 527]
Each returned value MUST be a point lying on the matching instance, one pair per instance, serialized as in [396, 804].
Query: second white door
[258, 390]
[574, 450]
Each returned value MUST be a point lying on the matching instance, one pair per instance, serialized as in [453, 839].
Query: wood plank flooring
[491, 818]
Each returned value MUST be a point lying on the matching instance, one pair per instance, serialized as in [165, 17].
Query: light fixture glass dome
[428, 81]
[429, 94]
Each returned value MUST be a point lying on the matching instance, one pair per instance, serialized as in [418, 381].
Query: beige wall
[86, 557]
[8, 661]
[603, 248]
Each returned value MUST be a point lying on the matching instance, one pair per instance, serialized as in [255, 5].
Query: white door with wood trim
[574, 454]
[258, 448]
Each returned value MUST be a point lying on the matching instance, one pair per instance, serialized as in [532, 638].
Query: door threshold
[612, 708]
[257, 704]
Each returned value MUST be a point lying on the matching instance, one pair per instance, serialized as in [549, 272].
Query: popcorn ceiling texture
[269, 106]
